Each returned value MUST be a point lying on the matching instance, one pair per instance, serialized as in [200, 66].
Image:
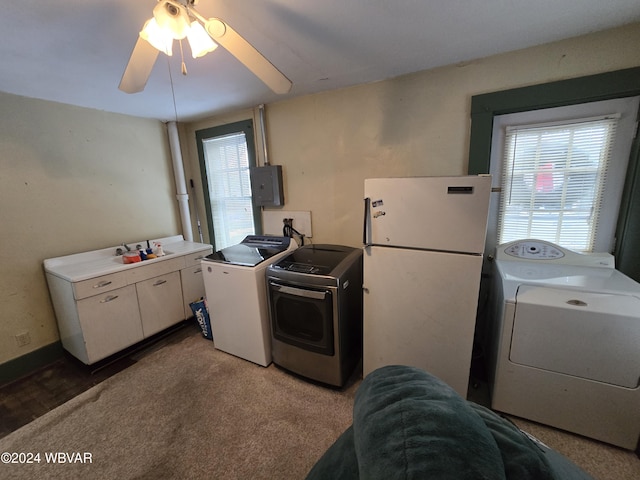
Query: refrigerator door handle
[366, 230]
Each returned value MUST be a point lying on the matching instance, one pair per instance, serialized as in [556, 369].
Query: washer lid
[253, 250]
[315, 259]
[583, 334]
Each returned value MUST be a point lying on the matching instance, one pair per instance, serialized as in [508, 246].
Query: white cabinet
[96, 317]
[192, 281]
[103, 306]
[109, 322]
[160, 301]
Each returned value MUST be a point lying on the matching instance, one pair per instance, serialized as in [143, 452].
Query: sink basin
[120, 258]
[95, 263]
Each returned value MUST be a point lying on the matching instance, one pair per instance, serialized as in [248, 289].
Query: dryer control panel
[532, 250]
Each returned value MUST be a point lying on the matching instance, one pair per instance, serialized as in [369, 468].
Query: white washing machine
[565, 341]
[234, 281]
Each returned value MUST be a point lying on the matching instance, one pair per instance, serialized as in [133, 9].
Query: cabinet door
[161, 304]
[192, 287]
[110, 322]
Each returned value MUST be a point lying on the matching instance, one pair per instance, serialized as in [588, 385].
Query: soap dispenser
[159, 251]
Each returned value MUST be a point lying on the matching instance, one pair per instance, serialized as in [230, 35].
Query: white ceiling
[75, 51]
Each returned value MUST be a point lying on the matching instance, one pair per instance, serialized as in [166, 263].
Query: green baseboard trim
[19, 367]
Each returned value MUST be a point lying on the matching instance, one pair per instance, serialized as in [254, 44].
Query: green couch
[408, 424]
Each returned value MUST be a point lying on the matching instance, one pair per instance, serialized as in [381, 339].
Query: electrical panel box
[266, 186]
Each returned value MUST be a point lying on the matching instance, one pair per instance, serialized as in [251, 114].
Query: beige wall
[412, 125]
[71, 180]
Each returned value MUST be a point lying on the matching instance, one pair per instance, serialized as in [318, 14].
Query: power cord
[289, 231]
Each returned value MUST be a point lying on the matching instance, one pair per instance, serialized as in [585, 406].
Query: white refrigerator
[424, 240]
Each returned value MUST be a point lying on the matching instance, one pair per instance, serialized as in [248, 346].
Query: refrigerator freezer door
[420, 310]
[436, 213]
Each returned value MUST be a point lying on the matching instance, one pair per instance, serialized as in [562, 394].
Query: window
[560, 173]
[226, 154]
[553, 178]
[487, 108]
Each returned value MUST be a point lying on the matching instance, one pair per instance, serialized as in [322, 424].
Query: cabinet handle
[101, 284]
[109, 298]
[198, 271]
[159, 282]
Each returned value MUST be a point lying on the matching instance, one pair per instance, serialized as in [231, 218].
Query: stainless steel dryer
[315, 308]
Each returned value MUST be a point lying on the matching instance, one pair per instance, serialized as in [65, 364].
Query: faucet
[119, 250]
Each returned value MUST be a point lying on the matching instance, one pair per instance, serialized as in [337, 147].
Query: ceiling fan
[176, 20]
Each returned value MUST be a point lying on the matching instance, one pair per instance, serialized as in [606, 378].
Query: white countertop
[82, 266]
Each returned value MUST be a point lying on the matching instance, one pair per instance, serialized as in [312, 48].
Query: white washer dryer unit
[234, 281]
[565, 341]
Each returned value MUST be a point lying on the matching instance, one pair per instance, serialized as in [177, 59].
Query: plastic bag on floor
[201, 312]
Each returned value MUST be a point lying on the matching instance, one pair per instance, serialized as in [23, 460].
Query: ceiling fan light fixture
[172, 20]
[160, 38]
[199, 40]
[173, 17]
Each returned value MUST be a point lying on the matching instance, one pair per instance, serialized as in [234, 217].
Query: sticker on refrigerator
[379, 213]
[377, 203]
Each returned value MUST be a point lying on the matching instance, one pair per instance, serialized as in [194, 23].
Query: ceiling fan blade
[237, 46]
[139, 67]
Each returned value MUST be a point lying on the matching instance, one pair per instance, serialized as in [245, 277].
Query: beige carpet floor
[187, 410]
[601, 461]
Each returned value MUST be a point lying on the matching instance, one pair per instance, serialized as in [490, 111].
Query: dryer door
[584, 334]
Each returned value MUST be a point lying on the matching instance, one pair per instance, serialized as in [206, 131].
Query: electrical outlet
[23, 339]
[272, 222]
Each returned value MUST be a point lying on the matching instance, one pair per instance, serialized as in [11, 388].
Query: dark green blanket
[408, 424]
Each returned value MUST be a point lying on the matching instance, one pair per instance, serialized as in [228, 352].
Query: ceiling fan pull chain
[184, 66]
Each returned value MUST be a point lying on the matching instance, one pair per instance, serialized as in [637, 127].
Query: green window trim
[603, 86]
[245, 126]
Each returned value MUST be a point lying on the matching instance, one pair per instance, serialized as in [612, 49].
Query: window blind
[553, 179]
[229, 188]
